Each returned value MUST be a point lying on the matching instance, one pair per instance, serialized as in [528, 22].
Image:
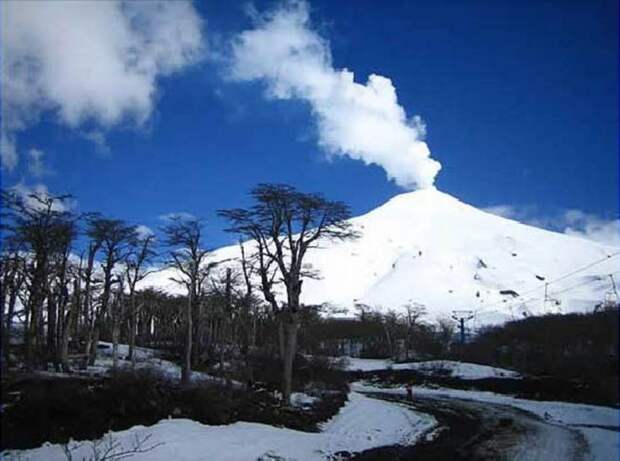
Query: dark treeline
[569, 345]
[579, 348]
[372, 334]
[68, 281]
[72, 280]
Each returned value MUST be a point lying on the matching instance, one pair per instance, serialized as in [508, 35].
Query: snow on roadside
[604, 444]
[302, 400]
[141, 353]
[366, 423]
[604, 440]
[355, 364]
[167, 369]
[462, 370]
[363, 423]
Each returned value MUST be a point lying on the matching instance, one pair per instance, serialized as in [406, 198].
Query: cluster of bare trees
[69, 280]
[401, 335]
[284, 224]
[64, 278]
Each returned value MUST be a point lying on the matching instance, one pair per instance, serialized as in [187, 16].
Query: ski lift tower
[462, 316]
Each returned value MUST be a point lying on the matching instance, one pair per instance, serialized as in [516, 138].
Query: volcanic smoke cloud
[364, 122]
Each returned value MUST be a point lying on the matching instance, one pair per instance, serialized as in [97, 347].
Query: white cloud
[571, 222]
[364, 122]
[505, 211]
[144, 231]
[36, 164]
[98, 139]
[28, 193]
[89, 62]
[177, 215]
[8, 150]
[528, 214]
[593, 227]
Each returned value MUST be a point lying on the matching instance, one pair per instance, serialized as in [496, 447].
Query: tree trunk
[132, 326]
[88, 342]
[116, 331]
[280, 336]
[222, 344]
[34, 330]
[88, 302]
[70, 323]
[253, 333]
[8, 322]
[196, 334]
[389, 339]
[30, 332]
[52, 310]
[99, 315]
[187, 365]
[291, 327]
[94, 344]
[40, 336]
[7, 289]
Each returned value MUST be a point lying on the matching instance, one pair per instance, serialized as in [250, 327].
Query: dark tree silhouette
[140, 254]
[284, 224]
[112, 236]
[187, 256]
[43, 227]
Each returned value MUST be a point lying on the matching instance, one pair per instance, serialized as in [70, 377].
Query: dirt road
[478, 431]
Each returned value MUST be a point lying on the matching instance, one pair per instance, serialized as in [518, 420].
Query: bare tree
[139, 256]
[284, 224]
[117, 312]
[187, 256]
[413, 312]
[87, 275]
[445, 333]
[113, 236]
[70, 318]
[44, 225]
[390, 322]
[58, 298]
[13, 277]
[249, 314]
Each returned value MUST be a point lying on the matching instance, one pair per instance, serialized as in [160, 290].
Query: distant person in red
[409, 391]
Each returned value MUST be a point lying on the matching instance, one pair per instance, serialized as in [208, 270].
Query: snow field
[363, 423]
[146, 359]
[462, 370]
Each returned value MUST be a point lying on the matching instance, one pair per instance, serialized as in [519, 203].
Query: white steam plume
[364, 122]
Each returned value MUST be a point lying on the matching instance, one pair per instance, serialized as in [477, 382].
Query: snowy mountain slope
[428, 247]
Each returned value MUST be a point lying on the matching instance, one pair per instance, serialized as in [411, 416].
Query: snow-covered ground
[302, 400]
[462, 370]
[145, 359]
[600, 425]
[363, 423]
[141, 353]
[454, 369]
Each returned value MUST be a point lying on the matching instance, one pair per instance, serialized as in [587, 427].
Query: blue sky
[519, 99]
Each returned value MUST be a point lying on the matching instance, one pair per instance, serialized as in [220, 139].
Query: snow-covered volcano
[430, 248]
